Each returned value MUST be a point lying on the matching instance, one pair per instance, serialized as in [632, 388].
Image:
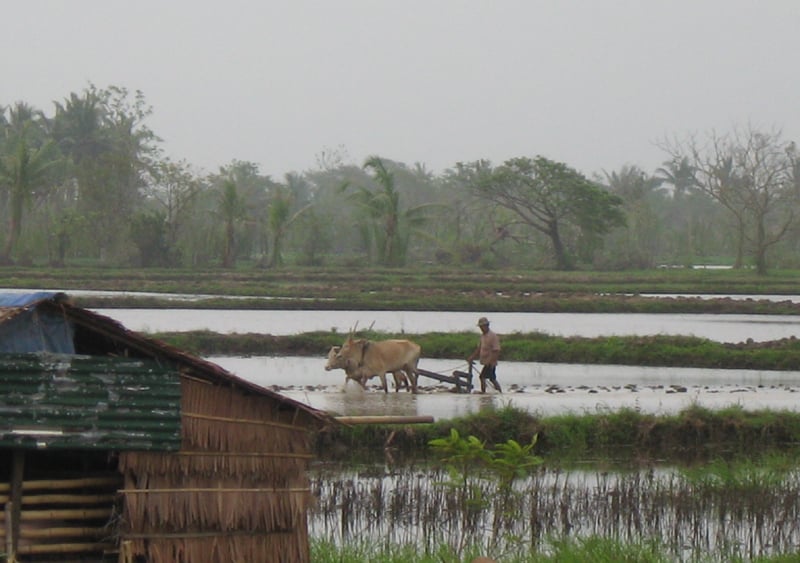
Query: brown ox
[400, 379]
[370, 358]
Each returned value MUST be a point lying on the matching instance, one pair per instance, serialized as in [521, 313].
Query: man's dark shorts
[488, 372]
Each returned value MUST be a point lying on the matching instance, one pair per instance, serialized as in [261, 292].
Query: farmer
[488, 352]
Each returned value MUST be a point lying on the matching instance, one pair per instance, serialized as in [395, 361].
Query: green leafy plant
[511, 460]
[470, 466]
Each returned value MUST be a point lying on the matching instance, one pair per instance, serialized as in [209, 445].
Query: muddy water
[540, 388]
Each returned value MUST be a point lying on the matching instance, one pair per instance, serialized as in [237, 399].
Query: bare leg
[400, 380]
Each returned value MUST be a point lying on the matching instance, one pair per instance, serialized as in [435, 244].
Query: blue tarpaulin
[25, 299]
[32, 329]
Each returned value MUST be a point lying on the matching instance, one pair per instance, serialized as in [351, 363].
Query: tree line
[89, 183]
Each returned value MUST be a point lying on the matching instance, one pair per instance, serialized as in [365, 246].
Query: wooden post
[10, 557]
[126, 552]
[17, 471]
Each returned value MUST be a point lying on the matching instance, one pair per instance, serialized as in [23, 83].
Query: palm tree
[390, 228]
[639, 244]
[23, 171]
[680, 174]
[78, 127]
[280, 216]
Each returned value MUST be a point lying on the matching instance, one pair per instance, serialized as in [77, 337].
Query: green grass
[596, 550]
[742, 475]
[692, 434]
[662, 350]
[593, 549]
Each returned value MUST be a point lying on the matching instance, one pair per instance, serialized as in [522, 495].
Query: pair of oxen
[362, 359]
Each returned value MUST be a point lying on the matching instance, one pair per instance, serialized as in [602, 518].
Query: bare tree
[751, 173]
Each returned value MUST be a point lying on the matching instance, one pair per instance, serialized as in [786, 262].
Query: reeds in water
[690, 517]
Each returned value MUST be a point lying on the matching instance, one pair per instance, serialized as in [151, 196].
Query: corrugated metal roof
[88, 402]
[107, 330]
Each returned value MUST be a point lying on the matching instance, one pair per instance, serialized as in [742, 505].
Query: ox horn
[353, 330]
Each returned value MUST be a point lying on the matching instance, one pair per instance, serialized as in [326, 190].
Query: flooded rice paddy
[386, 504]
[391, 504]
[536, 387]
[540, 388]
[721, 328]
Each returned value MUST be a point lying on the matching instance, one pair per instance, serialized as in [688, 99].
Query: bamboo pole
[214, 490]
[61, 533]
[387, 419]
[244, 454]
[93, 547]
[66, 483]
[29, 500]
[244, 421]
[215, 534]
[66, 514]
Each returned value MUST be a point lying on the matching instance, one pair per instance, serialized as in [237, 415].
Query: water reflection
[721, 328]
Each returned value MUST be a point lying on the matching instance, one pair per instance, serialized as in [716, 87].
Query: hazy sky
[592, 83]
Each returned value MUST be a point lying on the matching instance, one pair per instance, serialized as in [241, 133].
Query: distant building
[118, 447]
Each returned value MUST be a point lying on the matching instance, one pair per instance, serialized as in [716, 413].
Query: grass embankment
[333, 279]
[668, 351]
[694, 434]
[553, 303]
[425, 288]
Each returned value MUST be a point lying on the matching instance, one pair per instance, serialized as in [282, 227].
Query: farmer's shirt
[490, 342]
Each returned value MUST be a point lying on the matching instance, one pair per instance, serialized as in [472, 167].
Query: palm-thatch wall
[236, 491]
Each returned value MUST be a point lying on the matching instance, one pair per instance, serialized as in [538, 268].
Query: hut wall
[236, 491]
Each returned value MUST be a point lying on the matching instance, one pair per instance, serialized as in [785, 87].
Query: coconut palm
[23, 174]
[280, 216]
[389, 226]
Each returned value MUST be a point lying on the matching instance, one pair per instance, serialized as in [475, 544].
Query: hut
[118, 447]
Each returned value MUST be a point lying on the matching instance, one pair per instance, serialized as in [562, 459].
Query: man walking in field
[488, 352]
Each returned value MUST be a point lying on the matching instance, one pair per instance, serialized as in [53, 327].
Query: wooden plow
[460, 379]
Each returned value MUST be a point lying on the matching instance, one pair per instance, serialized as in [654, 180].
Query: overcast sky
[594, 83]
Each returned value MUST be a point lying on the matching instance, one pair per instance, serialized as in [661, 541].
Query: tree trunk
[761, 248]
[227, 258]
[739, 262]
[563, 261]
[13, 229]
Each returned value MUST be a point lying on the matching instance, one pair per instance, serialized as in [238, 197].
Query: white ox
[367, 358]
[400, 379]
